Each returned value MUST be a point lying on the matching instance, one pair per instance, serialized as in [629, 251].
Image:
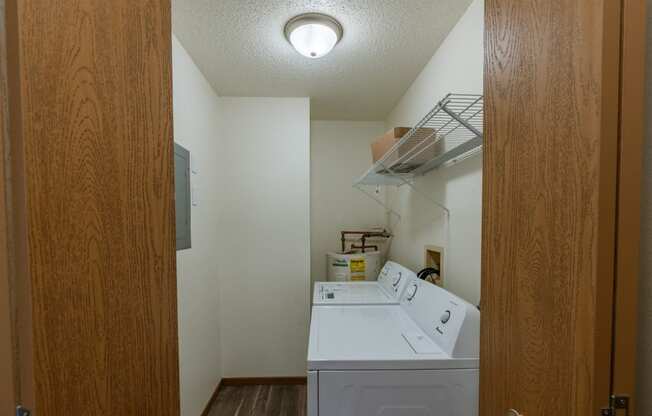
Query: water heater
[354, 266]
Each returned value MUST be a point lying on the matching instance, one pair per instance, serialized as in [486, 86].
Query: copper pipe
[363, 248]
[363, 237]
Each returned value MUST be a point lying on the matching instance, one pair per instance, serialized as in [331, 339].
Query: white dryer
[392, 280]
[417, 358]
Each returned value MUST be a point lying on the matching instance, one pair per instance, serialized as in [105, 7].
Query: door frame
[628, 210]
[7, 369]
[13, 259]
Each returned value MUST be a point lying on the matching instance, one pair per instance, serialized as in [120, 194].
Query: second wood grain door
[551, 155]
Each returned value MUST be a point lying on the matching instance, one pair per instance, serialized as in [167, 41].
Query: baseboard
[247, 381]
[209, 405]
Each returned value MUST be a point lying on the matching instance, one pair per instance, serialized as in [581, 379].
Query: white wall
[644, 383]
[339, 153]
[264, 231]
[457, 66]
[197, 129]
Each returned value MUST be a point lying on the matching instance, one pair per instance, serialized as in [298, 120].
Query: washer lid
[373, 337]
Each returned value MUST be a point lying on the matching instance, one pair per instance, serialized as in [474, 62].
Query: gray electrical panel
[182, 196]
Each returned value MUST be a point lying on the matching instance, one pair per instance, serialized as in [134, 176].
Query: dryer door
[398, 393]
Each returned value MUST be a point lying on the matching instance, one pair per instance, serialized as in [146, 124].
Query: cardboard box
[384, 143]
[381, 145]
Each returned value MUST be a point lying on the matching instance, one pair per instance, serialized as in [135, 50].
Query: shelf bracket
[416, 190]
[404, 181]
[380, 202]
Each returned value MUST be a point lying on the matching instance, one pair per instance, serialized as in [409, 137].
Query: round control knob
[398, 279]
[412, 292]
[445, 317]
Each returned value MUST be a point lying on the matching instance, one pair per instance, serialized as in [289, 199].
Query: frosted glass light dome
[313, 35]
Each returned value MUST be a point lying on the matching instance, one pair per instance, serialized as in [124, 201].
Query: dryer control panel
[451, 322]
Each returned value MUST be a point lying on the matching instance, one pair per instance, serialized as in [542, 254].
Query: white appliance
[392, 280]
[353, 266]
[417, 358]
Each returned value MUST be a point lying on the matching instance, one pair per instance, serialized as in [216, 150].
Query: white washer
[417, 358]
[392, 280]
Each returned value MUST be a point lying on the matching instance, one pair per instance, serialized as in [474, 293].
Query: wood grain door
[92, 206]
[555, 162]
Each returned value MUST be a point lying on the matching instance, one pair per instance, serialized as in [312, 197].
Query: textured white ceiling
[240, 47]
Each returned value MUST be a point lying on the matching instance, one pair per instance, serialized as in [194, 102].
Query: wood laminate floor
[260, 400]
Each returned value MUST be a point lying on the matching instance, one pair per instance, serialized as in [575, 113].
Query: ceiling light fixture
[313, 35]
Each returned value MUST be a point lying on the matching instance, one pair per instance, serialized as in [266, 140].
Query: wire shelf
[449, 131]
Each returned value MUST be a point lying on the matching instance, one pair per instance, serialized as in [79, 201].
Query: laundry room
[325, 207]
[286, 188]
